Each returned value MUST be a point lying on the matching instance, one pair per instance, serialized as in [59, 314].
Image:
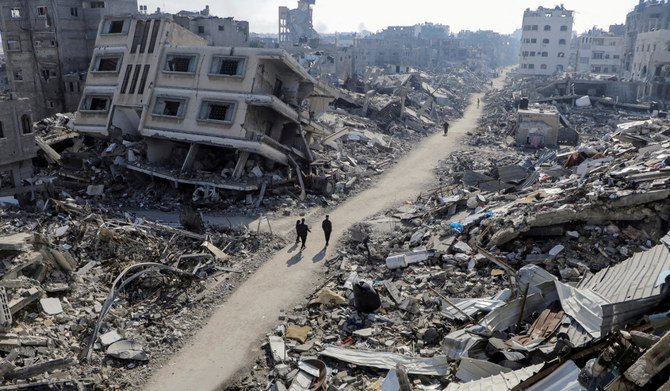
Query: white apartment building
[599, 52]
[545, 41]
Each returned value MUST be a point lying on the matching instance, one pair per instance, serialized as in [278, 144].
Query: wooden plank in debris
[393, 291]
[51, 155]
[220, 255]
[36, 369]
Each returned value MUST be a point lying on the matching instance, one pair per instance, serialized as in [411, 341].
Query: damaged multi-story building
[600, 52]
[48, 47]
[227, 113]
[295, 25]
[545, 40]
[17, 145]
[217, 31]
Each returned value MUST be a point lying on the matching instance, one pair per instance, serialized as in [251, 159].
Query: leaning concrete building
[48, 46]
[545, 41]
[222, 110]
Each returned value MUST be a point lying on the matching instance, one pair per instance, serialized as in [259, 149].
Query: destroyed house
[543, 127]
[225, 110]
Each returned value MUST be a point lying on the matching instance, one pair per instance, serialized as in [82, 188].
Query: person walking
[477, 102]
[446, 127]
[303, 229]
[327, 227]
[297, 232]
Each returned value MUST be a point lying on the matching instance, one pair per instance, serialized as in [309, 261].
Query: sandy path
[230, 340]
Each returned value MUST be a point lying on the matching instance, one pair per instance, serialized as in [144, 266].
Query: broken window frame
[13, 45]
[109, 23]
[41, 11]
[192, 65]
[16, 12]
[206, 111]
[88, 100]
[160, 106]
[99, 59]
[215, 66]
[95, 4]
[18, 75]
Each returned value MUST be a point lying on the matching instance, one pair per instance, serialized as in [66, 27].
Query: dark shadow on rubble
[319, 256]
[294, 259]
[293, 248]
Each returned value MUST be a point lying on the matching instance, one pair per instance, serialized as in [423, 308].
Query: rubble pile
[518, 271]
[89, 298]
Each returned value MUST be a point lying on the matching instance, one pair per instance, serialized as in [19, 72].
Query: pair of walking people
[302, 229]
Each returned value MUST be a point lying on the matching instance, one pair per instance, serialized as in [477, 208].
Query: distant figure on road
[446, 127]
[297, 232]
[327, 229]
[477, 102]
[302, 232]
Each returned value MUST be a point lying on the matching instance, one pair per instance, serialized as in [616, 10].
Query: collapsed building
[226, 112]
[295, 25]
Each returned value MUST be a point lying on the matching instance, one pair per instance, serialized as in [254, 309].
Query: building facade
[223, 110]
[545, 41]
[599, 52]
[217, 31]
[651, 63]
[295, 25]
[17, 144]
[48, 47]
[647, 16]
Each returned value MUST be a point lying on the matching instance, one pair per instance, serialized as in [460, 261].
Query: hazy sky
[503, 16]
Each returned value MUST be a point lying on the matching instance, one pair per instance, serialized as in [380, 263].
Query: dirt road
[230, 340]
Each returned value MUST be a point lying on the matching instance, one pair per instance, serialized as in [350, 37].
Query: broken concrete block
[461, 247]
[127, 350]
[15, 242]
[367, 332]
[95, 190]
[51, 305]
[31, 295]
[556, 250]
[277, 348]
[110, 337]
[572, 234]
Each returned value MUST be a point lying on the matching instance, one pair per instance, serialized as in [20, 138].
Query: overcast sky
[503, 16]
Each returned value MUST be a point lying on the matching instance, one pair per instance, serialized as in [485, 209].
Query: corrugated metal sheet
[434, 366]
[470, 369]
[630, 286]
[632, 279]
[564, 378]
[470, 307]
[504, 381]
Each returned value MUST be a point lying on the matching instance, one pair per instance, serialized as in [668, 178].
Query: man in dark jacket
[297, 232]
[327, 229]
[446, 127]
[302, 232]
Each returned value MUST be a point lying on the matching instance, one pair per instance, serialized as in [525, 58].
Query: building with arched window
[545, 36]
